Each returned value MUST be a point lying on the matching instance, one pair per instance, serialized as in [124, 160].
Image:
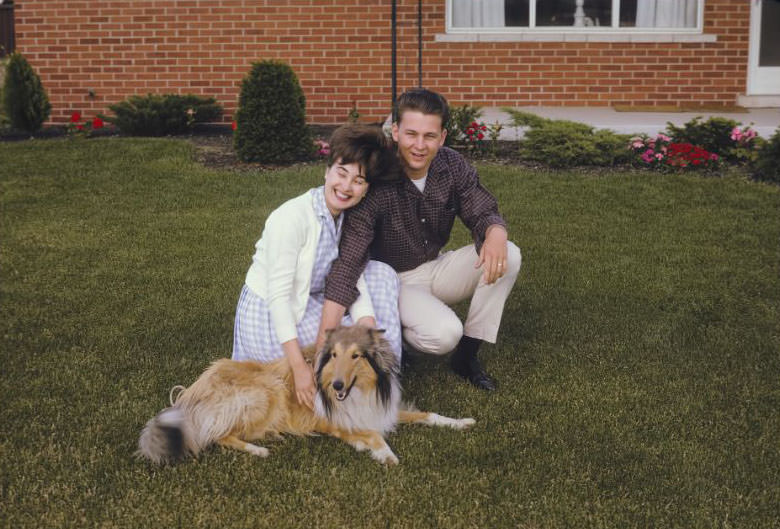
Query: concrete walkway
[763, 120]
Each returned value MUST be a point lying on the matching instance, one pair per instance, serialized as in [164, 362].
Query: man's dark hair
[367, 146]
[425, 101]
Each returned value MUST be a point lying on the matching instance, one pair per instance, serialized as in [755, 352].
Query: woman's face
[345, 185]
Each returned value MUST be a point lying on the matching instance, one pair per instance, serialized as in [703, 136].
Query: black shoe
[475, 374]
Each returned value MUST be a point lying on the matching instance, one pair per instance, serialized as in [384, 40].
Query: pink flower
[713, 156]
[637, 144]
[659, 156]
[664, 138]
[648, 156]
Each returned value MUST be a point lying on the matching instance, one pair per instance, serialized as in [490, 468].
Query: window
[511, 16]
[6, 27]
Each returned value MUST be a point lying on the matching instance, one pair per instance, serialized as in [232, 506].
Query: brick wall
[342, 56]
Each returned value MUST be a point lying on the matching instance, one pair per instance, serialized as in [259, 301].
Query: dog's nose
[338, 385]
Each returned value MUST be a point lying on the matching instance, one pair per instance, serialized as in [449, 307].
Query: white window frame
[612, 33]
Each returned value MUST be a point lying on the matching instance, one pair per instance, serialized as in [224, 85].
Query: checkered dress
[254, 337]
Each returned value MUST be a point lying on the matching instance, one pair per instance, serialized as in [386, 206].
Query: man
[407, 224]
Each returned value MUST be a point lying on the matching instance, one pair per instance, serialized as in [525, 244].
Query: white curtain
[666, 13]
[478, 13]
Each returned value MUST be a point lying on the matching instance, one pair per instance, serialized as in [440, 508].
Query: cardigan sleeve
[283, 240]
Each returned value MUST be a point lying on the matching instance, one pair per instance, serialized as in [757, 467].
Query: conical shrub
[271, 116]
[24, 99]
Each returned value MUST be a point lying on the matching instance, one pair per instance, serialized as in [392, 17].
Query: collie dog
[358, 400]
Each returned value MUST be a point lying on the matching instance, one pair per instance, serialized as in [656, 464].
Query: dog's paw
[457, 424]
[259, 451]
[385, 456]
[462, 424]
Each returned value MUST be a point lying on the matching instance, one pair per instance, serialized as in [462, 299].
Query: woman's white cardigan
[282, 266]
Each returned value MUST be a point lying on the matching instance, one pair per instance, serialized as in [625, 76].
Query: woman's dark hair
[425, 101]
[367, 146]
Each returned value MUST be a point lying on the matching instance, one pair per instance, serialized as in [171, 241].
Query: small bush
[713, 135]
[767, 164]
[525, 119]
[461, 118]
[24, 99]
[561, 143]
[271, 116]
[162, 114]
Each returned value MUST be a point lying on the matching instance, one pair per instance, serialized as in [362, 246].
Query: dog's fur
[358, 400]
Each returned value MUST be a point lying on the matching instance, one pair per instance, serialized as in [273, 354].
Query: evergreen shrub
[767, 164]
[562, 143]
[271, 116]
[162, 114]
[24, 99]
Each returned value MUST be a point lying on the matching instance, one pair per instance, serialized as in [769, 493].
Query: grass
[638, 359]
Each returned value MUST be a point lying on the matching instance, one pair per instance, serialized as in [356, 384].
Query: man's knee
[439, 338]
[513, 259]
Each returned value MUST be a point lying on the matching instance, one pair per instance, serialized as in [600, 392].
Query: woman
[281, 301]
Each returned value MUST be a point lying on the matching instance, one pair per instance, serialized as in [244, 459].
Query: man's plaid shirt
[404, 228]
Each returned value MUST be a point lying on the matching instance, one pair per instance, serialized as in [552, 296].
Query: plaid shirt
[399, 225]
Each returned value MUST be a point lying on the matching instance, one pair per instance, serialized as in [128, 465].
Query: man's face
[419, 137]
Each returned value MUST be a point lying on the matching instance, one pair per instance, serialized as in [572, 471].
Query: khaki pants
[429, 325]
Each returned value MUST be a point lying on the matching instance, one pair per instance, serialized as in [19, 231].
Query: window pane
[516, 12]
[478, 13]
[769, 50]
[659, 13]
[565, 13]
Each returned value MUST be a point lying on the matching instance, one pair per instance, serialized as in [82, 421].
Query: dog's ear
[376, 335]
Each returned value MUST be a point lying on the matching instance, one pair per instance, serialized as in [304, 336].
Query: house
[648, 54]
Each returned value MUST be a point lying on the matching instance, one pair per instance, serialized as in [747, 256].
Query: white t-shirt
[420, 182]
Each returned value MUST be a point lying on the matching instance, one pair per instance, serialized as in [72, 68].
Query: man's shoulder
[446, 160]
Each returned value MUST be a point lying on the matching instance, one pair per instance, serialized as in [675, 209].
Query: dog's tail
[167, 438]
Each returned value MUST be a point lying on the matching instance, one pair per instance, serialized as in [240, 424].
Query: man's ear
[443, 136]
[395, 132]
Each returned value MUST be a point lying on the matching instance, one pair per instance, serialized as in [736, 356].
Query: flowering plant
[746, 145]
[78, 127]
[684, 155]
[323, 148]
[475, 133]
[660, 152]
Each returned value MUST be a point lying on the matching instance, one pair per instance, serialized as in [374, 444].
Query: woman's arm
[303, 374]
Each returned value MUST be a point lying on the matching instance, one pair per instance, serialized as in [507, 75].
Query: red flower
[483, 127]
[480, 135]
[474, 124]
[76, 116]
[470, 132]
[97, 123]
[234, 125]
[80, 127]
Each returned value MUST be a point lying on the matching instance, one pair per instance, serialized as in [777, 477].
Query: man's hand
[492, 255]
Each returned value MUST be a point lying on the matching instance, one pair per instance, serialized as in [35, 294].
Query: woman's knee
[382, 274]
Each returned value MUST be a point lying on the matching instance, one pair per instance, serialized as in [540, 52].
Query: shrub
[561, 143]
[525, 119]
[162, 114]
[713, 135]
[461, 119]
[24, 99]
[271, 116]
[767, 164]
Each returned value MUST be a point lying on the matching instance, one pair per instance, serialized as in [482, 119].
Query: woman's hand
[305, 387]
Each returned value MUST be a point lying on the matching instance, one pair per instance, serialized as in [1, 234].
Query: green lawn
[638, 362]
